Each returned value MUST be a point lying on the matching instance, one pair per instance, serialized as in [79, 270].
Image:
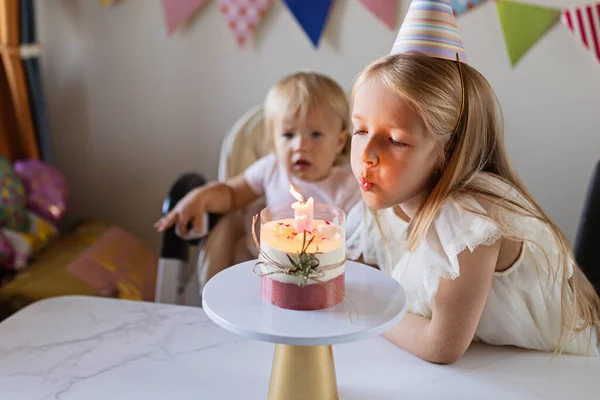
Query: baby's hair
[433, 89]
[297, 94]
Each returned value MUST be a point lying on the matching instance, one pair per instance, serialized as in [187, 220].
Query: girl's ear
[343, 140]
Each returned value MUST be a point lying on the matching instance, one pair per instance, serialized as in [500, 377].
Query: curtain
[23, 121]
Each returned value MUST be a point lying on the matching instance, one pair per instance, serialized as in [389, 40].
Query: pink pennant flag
[584, 23]
[244, 16]
[178, 12]
[385, 10]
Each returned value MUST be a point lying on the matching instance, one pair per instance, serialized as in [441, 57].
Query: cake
[325, 285]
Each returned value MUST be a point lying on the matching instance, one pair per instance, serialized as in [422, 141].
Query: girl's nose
[369, 154]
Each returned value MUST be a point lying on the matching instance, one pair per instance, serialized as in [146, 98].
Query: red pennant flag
[178, 12]
[385, 10]
[584, 23]
[244, 16]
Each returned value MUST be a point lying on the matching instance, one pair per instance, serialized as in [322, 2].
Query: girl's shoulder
[478, 216]
[492, 209]
[465, 221]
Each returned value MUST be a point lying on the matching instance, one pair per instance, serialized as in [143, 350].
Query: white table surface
[374, 303]
[91, 348]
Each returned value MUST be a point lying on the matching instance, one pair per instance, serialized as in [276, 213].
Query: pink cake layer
[310, 297]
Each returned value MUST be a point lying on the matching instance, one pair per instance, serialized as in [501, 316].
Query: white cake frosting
[277, 244]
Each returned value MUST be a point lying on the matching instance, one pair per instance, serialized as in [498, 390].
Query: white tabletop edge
[306, 341]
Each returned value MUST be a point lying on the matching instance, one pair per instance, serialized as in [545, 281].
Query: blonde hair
[299, 93]
[433, 88]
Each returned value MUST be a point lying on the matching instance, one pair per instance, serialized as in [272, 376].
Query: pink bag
[118, 265]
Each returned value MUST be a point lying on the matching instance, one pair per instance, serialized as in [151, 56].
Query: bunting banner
[179, 12]
[584, 24]
[524, 25]
[462, 6]
[311, 15]
[243, 16]
[385, 10]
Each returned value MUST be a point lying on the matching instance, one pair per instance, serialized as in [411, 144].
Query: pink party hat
[430, 27]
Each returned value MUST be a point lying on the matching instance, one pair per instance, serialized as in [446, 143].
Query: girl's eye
[316, 134]
[288, 135]
[359, 132]
[396, 143]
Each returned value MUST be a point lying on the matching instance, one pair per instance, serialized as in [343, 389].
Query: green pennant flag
[523, 25]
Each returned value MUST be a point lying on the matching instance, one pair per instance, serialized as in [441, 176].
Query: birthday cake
[302, 269]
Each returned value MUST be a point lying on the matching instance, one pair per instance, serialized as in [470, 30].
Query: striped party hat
[430, 27]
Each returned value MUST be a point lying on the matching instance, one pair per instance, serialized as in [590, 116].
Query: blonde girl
[478, 258]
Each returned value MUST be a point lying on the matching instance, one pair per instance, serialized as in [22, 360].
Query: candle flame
[296, 194]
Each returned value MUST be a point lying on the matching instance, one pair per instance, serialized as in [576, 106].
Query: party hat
[430, 27]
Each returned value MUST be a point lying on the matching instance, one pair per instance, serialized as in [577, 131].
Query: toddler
[306, 119]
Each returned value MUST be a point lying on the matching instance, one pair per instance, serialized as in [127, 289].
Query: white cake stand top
[375, 303]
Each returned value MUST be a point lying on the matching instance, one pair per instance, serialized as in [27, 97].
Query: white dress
[523, 308]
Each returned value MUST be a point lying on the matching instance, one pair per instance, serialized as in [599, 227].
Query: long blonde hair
[433, 87]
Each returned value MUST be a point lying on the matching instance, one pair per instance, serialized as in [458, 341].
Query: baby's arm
[457, 308]
[216, 197]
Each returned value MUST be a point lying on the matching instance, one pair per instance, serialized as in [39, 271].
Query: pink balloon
[46, 187]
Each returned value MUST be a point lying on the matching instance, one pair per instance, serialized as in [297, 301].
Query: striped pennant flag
[584, 23]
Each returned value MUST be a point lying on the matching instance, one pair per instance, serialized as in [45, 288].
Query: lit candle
[303, 212]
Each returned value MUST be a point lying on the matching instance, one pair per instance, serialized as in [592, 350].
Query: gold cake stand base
[303, 372]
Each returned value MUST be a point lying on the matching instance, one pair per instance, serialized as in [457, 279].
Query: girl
[306, 119]
[478, 258]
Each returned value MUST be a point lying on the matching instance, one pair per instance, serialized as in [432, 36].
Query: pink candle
[303, 212]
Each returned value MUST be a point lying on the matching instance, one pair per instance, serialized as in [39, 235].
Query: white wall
[131, 108]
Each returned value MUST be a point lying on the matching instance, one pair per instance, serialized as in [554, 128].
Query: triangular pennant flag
[523, 25]
[178, 12]
[462, 6]
[243, 16]
[584, 23]
[311, 15]
[385, 10]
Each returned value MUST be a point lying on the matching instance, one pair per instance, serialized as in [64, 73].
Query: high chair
[177, 279]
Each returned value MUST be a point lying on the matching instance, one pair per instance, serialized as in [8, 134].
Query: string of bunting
[523, 24]
[244, 16]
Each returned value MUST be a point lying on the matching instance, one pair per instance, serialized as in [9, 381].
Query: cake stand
[303, 366]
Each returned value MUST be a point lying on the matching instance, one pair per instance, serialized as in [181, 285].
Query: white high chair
[177, 281]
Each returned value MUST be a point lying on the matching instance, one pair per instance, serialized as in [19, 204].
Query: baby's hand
[189, 209]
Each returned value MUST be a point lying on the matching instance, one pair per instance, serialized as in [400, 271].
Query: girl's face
[393, 156]
[308, 147]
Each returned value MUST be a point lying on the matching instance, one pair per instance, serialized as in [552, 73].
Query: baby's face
[307, 147]
[393, 157]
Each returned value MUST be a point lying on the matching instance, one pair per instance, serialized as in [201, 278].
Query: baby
[306, 120]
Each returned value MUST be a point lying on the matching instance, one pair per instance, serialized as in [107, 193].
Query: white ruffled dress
[523, 308]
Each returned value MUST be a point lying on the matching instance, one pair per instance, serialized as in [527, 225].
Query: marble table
[70, 348]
